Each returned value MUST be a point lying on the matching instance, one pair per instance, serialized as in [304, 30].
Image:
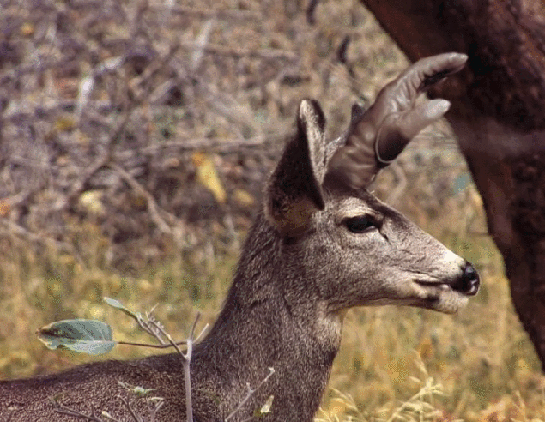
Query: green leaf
[139, 391]
[266, 408]
[118, 305]
[461, 183]
[78, 335]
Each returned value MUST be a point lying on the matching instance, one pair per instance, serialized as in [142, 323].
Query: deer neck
[266, 325]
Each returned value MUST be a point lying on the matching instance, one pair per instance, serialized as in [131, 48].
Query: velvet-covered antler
[377, 136]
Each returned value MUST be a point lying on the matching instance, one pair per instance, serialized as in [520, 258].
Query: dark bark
[498, 115]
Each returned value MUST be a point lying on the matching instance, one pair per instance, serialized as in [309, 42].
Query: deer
[320, 245]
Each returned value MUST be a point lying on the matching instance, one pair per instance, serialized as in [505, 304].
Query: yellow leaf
[96, 311]
[5, 207]
[27, 29]
[145, 286]
[207, 175]
[522, 369]
[336, 408]
[425, 348]
[63, 160]
[266, 408]
[243, 197]
[65, 124]
[139, 201]
[172, 162]
[91, 201]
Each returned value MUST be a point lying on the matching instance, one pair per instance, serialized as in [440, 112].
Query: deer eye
[360, 224]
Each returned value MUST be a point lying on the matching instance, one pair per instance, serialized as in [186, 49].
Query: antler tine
[375, 138]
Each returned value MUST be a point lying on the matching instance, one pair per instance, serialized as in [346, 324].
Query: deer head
[349, 247]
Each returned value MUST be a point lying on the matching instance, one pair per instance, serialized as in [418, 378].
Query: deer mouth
[467, 283]
[451, 294]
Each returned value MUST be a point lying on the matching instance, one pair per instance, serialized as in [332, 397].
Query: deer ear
[294, 191]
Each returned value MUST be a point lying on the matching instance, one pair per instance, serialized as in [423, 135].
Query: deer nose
[469, 282]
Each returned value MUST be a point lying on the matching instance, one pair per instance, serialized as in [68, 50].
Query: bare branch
[137, 83]
[156, 409]
[250, 393]
[136, 417]
[74, 413]
[155, 346]
[13, 228]
[217, 13]
[152, 205]
[80, 186]
[202, 40]
[311, 8]
[266, 54]
[202, 332]
[225, 146]
[187, 370]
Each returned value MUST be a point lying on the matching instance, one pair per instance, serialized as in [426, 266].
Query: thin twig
[192, 332]
[155, 346]
[153, 208]
[74, 413]
[158, 65]
[78, 188]
[156, 409]
[152, 327]
[265, 54]
[216, 13]
[208, 144]
[136, 417]
[80, 185]
[311, 8]
[42, 239]
[202, 332]
[202, 41]
[250, 393]
[187, 366]
[187, 375]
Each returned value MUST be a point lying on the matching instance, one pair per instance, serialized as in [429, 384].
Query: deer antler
[377, 136]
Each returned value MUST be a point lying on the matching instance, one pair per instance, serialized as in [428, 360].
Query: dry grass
[395, 364]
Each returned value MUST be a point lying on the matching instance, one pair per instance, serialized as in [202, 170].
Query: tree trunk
[498, 114]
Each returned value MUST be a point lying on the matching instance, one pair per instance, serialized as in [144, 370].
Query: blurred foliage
[174, 157]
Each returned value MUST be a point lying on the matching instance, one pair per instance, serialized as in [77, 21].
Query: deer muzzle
[451, 293]
[468, 283]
